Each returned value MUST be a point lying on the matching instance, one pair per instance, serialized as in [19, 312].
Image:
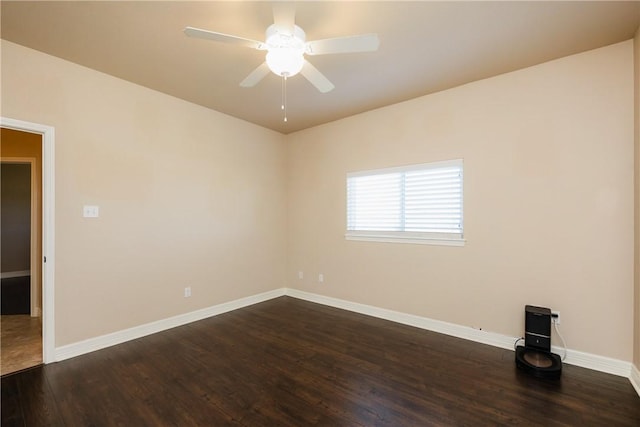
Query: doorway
[21, 223]
[40, 268]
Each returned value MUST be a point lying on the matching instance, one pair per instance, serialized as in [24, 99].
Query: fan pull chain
[283, 107]
[282, 94]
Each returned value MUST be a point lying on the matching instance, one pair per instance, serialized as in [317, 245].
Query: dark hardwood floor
[287, 362]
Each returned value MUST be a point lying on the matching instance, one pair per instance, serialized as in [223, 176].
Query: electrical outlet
[187, 292]
[90, 211]
[555, 317]
[300, 275]
[321, 278]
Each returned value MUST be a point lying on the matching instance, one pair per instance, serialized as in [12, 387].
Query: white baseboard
[12, 274]
[577, 358]
[596, 362]
[108, 340]
[635, 378]
[446, 328]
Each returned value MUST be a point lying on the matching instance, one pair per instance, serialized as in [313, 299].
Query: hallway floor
[21, 345]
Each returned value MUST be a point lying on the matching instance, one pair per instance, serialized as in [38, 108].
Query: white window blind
[419, 202]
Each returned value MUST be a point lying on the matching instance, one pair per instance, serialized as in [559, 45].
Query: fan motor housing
[278, 37]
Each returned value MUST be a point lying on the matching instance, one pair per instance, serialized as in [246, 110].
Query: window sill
[385, 238]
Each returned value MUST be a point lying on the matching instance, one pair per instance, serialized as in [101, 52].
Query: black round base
[538, 363]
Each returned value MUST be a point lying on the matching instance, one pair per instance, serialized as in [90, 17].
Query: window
[414, 204]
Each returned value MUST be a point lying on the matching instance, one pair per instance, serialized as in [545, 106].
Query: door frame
[34, 262]
[47, 263]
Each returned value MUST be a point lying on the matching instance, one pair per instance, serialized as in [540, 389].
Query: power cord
[564, 356]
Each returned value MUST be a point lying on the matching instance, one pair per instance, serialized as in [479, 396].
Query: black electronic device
[535, 357]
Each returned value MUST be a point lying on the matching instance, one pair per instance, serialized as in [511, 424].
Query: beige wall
[548, 154]
[187, 197]
[636, 44]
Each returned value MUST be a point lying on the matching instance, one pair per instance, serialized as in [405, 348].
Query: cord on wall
[564, 345]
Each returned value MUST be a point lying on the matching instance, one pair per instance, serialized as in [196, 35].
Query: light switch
[90, 211]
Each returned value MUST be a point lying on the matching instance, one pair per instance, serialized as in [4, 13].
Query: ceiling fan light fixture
[285, 56]
[285, 62]
[286, 47]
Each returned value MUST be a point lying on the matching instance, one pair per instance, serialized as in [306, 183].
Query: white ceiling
[425, 47]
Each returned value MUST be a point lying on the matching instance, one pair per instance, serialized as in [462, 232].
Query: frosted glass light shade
[285, 61]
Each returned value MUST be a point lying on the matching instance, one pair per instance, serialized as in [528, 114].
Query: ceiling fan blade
[284, 16]
[256, 75]
[316, 78]
[360, 43]
[220, 37]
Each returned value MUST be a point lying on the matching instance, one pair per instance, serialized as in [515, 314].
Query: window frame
[425, 238]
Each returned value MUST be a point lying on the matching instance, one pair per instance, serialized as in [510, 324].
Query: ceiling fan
[286, 46]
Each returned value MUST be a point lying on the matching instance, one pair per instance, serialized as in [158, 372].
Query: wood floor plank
[11, 408]
[37, 400]
[289, 362]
